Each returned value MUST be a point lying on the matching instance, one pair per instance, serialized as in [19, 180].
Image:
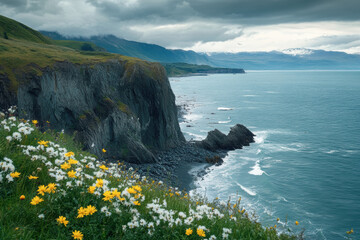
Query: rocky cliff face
[128, 108]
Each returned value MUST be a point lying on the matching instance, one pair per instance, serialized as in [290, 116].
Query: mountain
[289, 59]
[149, 52]
[119, 103]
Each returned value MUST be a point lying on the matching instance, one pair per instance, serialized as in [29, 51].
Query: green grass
[78, 45]
[16, 30]
[19, 219]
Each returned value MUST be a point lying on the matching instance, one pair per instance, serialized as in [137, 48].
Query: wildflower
[35, 122]
[136, 203]
[62, 220]
[296, 223]
[200, 232]
[103, 167]
[350, 232]
[69, 154]
[71, 174]
[278, 219]
[103, 150]
[137, 188]
[81, 212]
[36, 200]
[44, 143]
[41, 216]
[77, 235]
[188, 231]
[131, 190]
[65, 166]
[90, 210]
[22, 197]
[72, 161]
[15, 174]
[42, 189]
[99, 183]
[116, 193]
[91, 189]
[32, 177]
[51, 187]
[107, 196]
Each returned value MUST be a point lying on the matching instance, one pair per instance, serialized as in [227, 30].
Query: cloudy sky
[201, 25]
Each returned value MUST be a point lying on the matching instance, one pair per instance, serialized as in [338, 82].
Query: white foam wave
[256, 170]
[196, 136]
[332, 151]
[247, 190]
[258, 151]
[192, 117]
[224, 109]
[249, 95]
[228, 121]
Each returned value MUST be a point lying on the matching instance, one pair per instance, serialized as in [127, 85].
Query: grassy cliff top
[24, 50]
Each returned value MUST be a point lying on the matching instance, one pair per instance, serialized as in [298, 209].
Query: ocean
[305, 163]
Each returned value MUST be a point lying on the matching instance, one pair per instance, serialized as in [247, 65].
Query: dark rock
[238, 137]
[127, 108]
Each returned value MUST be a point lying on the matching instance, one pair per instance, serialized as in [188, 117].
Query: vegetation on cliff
[50, 189]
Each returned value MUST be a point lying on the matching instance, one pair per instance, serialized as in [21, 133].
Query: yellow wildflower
[44, 143]
[69, 154]
[103, 167]
[36, 200]
[35, 122]
[137, 188]
[87, 166]
[51, 187]
[71, 174]
[278, 219]
[99, 183]
[136, 203]
[81, 212]
[103, 150]
[116, 193]
[200, 232]
[65, 166]
[296, 223]
[77, 235]
[32, 177]
[15, 174]
[72, 161]
[350, 232]
[62, 220]
[42, 189]
[22, 197]
[188, 231]
[90, 210]
[91, 189]
[107, 196]
[131, 191]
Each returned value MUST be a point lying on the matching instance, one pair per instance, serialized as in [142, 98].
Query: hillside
[150, 52]
[12, 29]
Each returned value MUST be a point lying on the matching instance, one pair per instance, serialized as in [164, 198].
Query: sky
[201, 25]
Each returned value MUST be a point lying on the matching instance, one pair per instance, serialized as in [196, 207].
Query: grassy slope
[77, 45]
[19, 219]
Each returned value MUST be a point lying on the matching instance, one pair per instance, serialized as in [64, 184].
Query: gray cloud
[200, 20]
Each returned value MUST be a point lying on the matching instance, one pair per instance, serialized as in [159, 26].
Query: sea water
[305, 163]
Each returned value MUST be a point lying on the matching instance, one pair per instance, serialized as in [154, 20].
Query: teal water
[305, 163]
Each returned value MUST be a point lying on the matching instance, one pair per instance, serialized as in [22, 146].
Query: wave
[228, 121]
[196, 136]
[256, 169]
[224, 109]
[247, 190]
[332, 151]
[249, 95]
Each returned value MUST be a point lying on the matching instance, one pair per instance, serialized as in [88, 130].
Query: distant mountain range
[290, 59]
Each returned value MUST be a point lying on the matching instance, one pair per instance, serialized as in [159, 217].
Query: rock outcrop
[126, 107]
[238, 137]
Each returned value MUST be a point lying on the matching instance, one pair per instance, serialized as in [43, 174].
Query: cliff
[122, 104]
[128, 109]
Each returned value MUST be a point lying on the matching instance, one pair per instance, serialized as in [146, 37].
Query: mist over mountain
[289, 59]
